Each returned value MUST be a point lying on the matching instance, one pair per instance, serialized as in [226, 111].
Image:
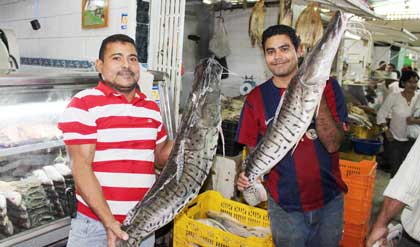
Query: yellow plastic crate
[187, 231]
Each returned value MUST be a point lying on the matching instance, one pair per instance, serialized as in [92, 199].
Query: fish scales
[189, 162]
[296, 109]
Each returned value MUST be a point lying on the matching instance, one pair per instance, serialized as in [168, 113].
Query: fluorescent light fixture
[411, 36]
[349, 35]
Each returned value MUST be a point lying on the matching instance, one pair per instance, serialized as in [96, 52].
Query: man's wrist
[109, 222]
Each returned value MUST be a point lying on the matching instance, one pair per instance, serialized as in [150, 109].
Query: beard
[123, 88]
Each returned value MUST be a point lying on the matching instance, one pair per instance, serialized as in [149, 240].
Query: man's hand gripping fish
[189, 162]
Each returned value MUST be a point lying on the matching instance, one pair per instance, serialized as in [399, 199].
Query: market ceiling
[401, 16]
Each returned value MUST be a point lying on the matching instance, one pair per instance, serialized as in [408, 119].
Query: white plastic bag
[219, 43]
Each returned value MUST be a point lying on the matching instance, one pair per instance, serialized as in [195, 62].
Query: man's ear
[99, 65]
[299, 51]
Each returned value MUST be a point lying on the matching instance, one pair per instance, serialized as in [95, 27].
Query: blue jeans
[322, 227]
[88, 232]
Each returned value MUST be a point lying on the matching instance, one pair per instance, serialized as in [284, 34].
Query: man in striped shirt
[114, 136]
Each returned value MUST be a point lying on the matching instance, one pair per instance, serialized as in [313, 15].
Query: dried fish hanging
[309, 26]
[256, 23]
[285, 13]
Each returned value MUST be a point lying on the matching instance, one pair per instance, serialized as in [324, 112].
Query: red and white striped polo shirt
[125, 134]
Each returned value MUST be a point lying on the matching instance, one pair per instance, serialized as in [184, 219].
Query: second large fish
[297, 107]
[189, 162]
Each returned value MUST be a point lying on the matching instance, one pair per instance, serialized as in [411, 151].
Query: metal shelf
[30, 147]
[40, 236]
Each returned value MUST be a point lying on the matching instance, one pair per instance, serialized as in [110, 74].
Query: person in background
[114, 136]
[399, 106]
[391, 68]
[402, 193]
[382, 65]
[305, 201]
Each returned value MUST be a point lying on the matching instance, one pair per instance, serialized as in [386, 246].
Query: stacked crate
[360, 180]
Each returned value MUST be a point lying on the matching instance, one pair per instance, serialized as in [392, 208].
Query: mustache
[126, 71]
[280, 60]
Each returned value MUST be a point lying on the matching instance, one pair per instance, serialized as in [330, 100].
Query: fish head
[208, 93]
[315, 67]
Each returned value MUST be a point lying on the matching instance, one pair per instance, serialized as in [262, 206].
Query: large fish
[189, 162]
[296, 109]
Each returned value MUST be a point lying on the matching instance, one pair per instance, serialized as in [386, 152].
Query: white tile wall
[61, 35]
[244, 60]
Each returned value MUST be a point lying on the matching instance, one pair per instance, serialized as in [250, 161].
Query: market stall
[36, 185]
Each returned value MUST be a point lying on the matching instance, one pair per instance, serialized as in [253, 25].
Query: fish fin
[317, 109]
[223, 138]
[279, 106]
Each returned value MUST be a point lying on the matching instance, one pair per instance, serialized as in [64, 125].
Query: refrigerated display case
[34, 172]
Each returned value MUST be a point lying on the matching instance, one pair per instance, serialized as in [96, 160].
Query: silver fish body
[296, 109]
[189, 162]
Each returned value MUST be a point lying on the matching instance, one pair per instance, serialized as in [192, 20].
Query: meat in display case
[35, 178]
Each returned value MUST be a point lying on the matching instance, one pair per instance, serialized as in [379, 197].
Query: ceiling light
[349, 35]
[411, 36]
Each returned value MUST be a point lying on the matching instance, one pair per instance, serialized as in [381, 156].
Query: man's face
[280, 55]
[120, 67]
[411, 84]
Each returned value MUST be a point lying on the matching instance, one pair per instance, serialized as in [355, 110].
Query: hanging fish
[309, 26]
[256, 23]
[189, 162]
[285, 13]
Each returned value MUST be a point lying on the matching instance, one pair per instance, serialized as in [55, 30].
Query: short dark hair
[407, 75]
[114, 38]
[382, 63]
[279, 30]
[392, 65]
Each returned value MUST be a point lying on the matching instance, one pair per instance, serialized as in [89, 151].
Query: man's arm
[88, 187]
[390, 208]
[162, 152]
[330, 133]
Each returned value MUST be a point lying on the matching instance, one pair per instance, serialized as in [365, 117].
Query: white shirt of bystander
[399, 109]
[405, 187]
